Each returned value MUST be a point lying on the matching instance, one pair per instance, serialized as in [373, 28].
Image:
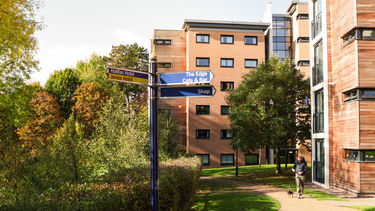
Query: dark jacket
[300, 166]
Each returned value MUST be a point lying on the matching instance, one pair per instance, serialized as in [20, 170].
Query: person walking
[300, 168]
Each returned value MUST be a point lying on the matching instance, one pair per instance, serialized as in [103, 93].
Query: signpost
[166, 79]
[128, 76]
[186, 78]
[187, 91]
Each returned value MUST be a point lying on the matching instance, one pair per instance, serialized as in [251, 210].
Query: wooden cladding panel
[343, 16]
[174, 53]
[344, 66]
[367, 177]
[366, 63]
[367, 125]
[347, 175]
[346, 125]
[365, 13]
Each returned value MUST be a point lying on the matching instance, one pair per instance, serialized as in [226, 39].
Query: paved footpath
[287, 202]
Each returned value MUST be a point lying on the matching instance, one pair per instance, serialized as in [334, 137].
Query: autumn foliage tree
[89, 100]
[45, 119]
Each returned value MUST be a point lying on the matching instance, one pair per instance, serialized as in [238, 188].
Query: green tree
[62, 85]
[93, 70]
[14, 114]
[89, 100]
[69, 152]
[18, 43]
[120, 139]
[168, 135]
[132, 57]
[268, 108]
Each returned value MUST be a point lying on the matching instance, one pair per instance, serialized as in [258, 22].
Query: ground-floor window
[251, 159]
[205, 159]
[360, 155]
[319, 161]
[227, 159]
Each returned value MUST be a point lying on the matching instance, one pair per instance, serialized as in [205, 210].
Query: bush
[128, 189]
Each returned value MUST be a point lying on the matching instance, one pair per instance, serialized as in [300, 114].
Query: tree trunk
[278, 166]
[237, 162]
[260, 158]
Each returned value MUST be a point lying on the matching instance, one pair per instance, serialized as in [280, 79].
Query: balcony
[317, 74]
[316, 26]
[318, 122]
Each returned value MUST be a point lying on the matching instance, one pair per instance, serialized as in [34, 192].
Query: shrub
[128, 189]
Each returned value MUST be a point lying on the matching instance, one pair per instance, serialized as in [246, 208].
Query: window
[302, 16]
[359, 94]
[251, 159]
[225, 134]
[202, 134]
[227, 159]
[162, 42]
[318, 116]
[205, 159]
[226, 39]
[303, 39]
[251, 40]
[225, 110]
[227, 62]
[202, 109]
[317, 70]
[203, 38]
[359, 34]
[164, 65]
[251, 63]
[226, 86]
[360, 155]
[202, 62]
[349, 38]
[303, 63]
[351, 95]
[367, 34]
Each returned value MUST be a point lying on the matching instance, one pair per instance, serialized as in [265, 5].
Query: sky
[75, 29]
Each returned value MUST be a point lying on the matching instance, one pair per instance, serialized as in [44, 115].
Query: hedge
[128, 189]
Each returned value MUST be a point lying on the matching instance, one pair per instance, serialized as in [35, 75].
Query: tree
[62, 85]
[120, 139]
[133, 57]
[45, 119]
[93, 70]
[69, 152]
[168, 134]
[268, 108]
[18, 43]
[14, 114]
[89, 100]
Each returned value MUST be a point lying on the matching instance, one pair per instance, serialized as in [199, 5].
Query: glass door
[319, 161]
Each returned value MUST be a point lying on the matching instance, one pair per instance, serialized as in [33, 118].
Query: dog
[290, 193]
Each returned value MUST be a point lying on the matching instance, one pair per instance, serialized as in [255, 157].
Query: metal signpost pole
[153, 121]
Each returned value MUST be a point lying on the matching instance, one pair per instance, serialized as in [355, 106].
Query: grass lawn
[215, 186]
[364, 208]
[235, 201]
[266, 175]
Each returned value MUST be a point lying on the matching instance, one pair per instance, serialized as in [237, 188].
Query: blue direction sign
[186, 78]
[128, 76]
[188, 91]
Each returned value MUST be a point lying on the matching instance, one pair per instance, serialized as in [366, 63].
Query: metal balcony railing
[316, 25]
[317, 74]
[318, 122]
